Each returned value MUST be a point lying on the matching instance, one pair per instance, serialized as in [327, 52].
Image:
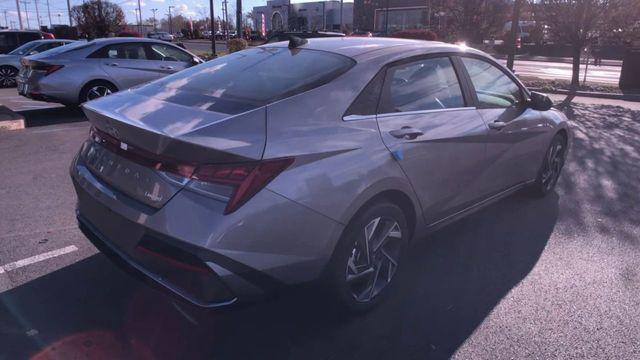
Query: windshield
[25, 49]
[249, 79]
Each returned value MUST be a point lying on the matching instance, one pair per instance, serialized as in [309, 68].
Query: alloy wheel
[98, 91]
[8, 76]
[552, 165]
[374, 259]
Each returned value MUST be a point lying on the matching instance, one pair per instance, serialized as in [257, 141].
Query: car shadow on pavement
[448, 284]
[52, 116]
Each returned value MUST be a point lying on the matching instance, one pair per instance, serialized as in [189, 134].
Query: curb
[10, 120]
[594, 94]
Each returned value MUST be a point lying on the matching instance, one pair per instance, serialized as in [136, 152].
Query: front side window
[169, 53]
[493, 87]
[428, 84]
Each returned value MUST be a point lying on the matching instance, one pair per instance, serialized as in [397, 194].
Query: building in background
[309, 16]
[370, 15]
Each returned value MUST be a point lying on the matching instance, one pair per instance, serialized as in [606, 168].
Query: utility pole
[26, 12]
[69, 10]
[59, 18]
[225, 19]
[154, 18]
[170, 23]
[386, 20]
[6, 23]
[239, 29]
[37, 14]
[515, 24]
[19, 14]
[49, 13]
[341, 18]
[140, 23]
[213, 30]
[429, 14]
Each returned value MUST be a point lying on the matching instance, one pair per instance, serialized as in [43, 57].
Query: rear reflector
[244, 179]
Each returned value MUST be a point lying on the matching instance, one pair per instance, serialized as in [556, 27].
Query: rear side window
[129, 51]
[427, 84]
[249, 79]
[493, 87]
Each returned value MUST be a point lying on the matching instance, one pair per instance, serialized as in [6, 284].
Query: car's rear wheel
[551, 166]
[368, 255]
[95, 90]
[8, 76]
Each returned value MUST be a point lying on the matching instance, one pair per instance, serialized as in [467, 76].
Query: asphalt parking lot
[525, 278]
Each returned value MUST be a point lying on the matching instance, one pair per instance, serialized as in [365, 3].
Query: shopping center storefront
[371, 15]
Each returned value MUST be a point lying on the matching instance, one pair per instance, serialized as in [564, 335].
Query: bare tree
[579, 22]
[98, 18]
[473, 20]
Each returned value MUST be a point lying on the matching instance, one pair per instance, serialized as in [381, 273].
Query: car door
[514, 139]
[434, 133]
[127, 64]
[168, 59]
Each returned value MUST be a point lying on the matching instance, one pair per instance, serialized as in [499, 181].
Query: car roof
[103, 41]
[358, 46]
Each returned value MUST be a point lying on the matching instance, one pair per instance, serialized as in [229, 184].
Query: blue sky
[190, 8]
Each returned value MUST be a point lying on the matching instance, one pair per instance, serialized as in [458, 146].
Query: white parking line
[37, 258]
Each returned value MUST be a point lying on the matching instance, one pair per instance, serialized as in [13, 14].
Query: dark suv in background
[11, 39]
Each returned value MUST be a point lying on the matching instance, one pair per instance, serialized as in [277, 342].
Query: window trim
[524, 92]
[141, 43]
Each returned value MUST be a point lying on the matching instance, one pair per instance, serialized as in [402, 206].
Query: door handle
[406, 132]
[112, 64]
[166, 67]
[497, 125]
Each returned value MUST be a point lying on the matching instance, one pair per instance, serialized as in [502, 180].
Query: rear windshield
[249, 79]
[24, 49]
[76, 45]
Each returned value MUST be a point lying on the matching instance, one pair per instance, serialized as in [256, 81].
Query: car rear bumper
[201, 255]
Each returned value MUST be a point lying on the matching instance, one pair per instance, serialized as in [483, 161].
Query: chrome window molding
[419, 112]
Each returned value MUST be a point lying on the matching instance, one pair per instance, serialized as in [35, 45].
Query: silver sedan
[10, 63]
[88, 70]
[320, 159]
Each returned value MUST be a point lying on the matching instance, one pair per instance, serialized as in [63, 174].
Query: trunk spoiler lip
[124, 129]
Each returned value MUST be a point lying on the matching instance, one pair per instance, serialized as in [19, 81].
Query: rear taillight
[246, 179]
[47, 69]
[236, 183]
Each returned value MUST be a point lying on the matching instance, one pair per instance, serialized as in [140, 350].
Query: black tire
[350, 251]
[551, 167]
[88, 90]
[8, 76]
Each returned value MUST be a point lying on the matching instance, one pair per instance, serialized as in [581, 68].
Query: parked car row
[10, 63]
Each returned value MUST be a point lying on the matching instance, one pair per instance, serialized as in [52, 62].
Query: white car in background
[160, 35]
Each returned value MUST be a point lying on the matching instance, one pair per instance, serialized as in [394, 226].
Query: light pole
[154, 18]
[26, 12]
[213, 30]
[59, 18]
[515, 25]
[6, 23]
[19, 13]
[170, 23]
[49, 13]
[140, 14]
[37, 14]
[69, 12]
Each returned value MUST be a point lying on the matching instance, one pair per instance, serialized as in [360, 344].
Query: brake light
[246, 179]
[240, 182]
[47, 69]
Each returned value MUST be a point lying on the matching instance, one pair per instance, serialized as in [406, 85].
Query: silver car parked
[319, 159]
[10, 63]
[85, 71]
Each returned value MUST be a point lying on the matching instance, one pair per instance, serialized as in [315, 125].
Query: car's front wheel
[368, 255]
[551, 166]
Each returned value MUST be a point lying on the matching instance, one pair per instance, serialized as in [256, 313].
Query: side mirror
[540, 102]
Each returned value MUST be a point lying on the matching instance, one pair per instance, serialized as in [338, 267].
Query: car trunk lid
[148, 148]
